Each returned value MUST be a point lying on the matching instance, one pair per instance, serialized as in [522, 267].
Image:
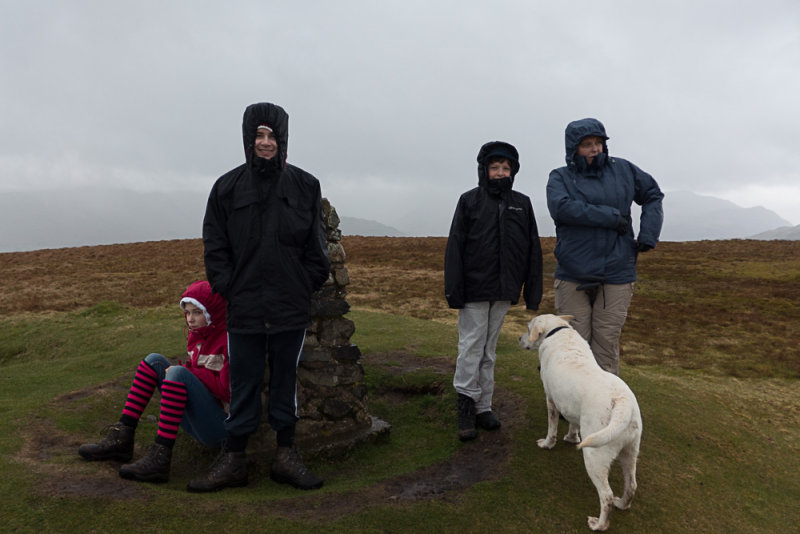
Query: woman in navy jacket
[590, 201]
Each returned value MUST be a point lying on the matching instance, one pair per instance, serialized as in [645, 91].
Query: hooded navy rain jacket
[588, 202]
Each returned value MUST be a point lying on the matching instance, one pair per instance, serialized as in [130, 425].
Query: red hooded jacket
[208, 346]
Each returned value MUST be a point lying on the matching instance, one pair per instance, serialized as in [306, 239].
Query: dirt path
[485, 458]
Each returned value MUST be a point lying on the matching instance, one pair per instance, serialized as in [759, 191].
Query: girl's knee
[155, 359]
[178, 373]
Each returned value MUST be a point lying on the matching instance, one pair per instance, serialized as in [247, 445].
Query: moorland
[709, 348]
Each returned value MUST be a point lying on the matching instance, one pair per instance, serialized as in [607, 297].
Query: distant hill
[687, 217]
[784, 232]
[366, 227]
[692, 217]
[98, 216]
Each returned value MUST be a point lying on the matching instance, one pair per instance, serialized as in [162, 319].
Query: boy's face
[498, 169]
[589, 147]
[266, 145]
[194, 316]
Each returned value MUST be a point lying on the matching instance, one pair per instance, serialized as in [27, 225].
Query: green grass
[719, 454]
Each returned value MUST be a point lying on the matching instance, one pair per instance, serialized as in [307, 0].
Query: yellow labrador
[597, 405]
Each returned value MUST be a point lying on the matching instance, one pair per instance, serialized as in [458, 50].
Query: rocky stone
[329, 308]
[331, 389]
[336, 252]
[335, 332]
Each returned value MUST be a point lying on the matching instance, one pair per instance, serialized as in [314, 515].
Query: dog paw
[546, 443]
[572, 438]
[594, 524]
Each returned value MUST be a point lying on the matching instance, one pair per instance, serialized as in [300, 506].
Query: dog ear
[536, 331]
[567, 318]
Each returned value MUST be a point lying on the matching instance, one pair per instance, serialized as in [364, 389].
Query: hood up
[576, 131]
[213, 305]
[271, 115]
[499, 149]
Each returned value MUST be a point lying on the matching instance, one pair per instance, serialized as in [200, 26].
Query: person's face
[499, 169]
[194, 316]
[266, 145]
[589, 147]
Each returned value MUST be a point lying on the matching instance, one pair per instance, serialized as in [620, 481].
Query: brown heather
[722, 307]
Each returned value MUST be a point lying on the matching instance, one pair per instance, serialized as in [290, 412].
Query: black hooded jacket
[264, 241]
[493, 249]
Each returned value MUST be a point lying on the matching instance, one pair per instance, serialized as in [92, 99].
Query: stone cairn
[331, 391]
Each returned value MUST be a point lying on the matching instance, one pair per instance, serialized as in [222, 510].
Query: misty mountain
[687, 217]
[96, 216]
[791, 233]
[366, 227]
[692, 217]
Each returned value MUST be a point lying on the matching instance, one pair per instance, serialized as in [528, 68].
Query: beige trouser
[600, 323]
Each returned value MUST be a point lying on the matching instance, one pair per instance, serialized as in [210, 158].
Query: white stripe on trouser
[296, 365]
[479, 326]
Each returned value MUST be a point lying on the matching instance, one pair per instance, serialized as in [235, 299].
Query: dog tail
[621, 414]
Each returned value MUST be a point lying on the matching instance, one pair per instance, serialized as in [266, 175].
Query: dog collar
[554, 330]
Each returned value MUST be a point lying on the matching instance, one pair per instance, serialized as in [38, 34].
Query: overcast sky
[389, 101]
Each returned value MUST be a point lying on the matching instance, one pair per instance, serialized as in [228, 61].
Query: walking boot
[117, 445]
[288, 468]
[152, 467]
[466, 418]
[487, 420]
[229, 470]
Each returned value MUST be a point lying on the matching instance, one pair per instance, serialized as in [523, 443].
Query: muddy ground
[53, 455]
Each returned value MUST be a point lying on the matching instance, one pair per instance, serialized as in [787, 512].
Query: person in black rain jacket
[493, 253]
[265, 252]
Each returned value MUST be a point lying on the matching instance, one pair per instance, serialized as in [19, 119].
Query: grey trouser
[600, 323]
[478, 329]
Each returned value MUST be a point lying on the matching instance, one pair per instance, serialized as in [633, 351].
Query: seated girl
[194, 395]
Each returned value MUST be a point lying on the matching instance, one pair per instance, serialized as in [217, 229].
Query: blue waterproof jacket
[588, 204]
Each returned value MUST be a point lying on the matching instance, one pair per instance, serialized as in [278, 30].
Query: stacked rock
[331, 389]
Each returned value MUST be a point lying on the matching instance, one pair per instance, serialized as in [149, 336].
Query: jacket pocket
[243, 221]
[295, 222]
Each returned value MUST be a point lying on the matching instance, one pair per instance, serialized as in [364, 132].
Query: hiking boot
[487, 420]
[229, 470]
[152, 467]
[117, 445]
[288, 468]
[466, 418]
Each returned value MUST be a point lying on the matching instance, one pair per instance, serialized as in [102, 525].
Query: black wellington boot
[117, 445]
[152, 467]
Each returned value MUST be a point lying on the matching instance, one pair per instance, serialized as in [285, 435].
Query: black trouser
[247, 366]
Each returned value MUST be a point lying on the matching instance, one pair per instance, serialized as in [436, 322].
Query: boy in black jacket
[493, 252]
